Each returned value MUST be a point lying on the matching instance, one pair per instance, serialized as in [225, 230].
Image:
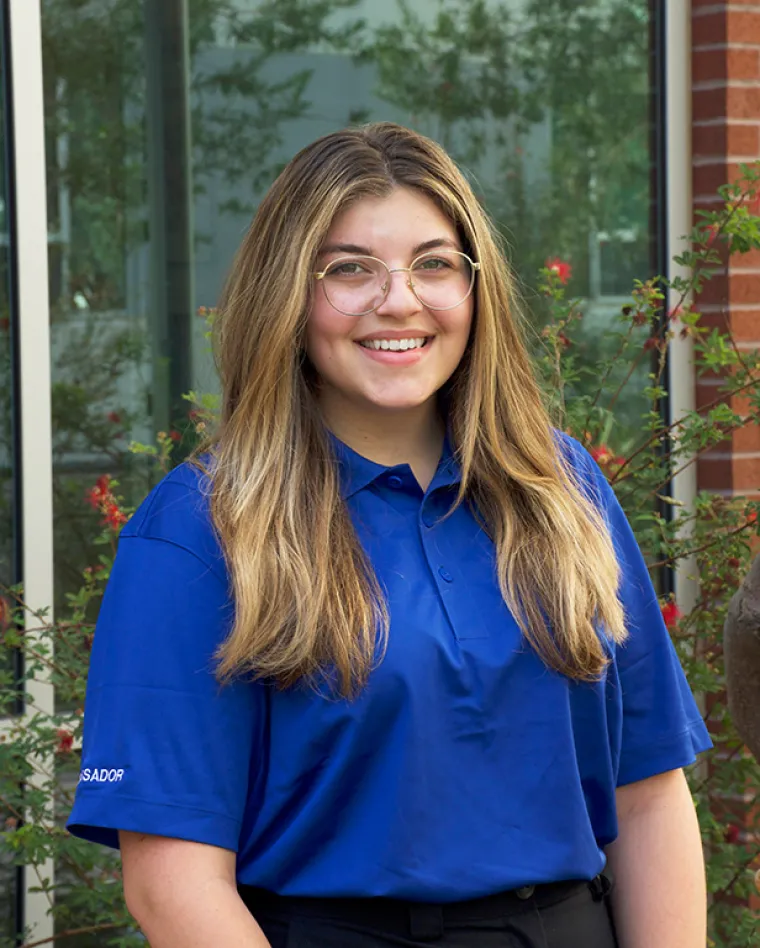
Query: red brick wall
[726, 131]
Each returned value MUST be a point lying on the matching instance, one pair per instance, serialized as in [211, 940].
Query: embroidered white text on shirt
[102, 775]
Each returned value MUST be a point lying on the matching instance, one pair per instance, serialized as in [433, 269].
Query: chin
[399, 404]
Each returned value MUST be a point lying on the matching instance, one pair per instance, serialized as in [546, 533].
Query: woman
[386, 666]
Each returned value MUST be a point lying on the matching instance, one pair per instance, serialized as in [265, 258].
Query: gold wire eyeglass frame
[321, 274]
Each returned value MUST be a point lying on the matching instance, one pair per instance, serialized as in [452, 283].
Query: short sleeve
[166, 749]
[662, 728]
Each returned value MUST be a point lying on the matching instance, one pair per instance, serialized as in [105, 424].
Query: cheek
[457, 325]
[324, 327]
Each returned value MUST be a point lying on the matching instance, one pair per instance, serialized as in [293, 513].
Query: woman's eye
[349, 268]
[433, 263]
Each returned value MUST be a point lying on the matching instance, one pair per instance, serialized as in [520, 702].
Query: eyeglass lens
[358, 285]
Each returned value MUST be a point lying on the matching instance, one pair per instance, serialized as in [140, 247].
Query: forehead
[403, 216]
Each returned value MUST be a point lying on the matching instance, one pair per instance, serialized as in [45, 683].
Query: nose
[400, 301]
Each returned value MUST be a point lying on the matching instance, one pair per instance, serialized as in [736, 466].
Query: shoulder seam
[179, 546]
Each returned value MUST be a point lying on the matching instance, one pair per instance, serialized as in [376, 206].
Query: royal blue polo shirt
[466, 767]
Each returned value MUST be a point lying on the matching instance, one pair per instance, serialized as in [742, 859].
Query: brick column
[726, 132]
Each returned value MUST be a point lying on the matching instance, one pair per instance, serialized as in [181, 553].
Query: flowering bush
[711, 541]
[588, 381]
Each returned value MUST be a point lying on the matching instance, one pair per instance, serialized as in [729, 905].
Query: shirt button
[445, 575]
[395, 481]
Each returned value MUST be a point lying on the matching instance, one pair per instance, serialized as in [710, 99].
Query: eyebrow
[367, 251]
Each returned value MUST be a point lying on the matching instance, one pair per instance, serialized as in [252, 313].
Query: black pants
[565, 915]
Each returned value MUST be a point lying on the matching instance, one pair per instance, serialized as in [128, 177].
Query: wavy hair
[307, 602]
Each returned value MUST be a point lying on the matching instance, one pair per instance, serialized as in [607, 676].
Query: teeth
[394, 345]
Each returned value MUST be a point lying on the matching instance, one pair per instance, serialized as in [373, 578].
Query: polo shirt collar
[357, 472]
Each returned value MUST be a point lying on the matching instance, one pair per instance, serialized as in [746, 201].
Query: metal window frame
[677, 159]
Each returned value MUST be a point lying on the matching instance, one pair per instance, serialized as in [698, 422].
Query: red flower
[114, 517]
[671, 614]
[732, 833]
[600, 453]
[5, 614]
[561, 267]
[712, 233]
[175, 435]
[605, 458]
[114, 417]
[563, 340]
[65, 741]
[96, 496]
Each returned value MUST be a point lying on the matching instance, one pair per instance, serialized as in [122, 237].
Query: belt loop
[525, 892]
[426, 922]
[601, 886]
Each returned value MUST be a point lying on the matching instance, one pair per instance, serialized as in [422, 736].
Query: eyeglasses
[356, 286]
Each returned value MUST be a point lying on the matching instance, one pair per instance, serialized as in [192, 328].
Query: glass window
[166, 121]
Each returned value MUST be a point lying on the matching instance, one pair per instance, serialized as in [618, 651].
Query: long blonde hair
[307, 602]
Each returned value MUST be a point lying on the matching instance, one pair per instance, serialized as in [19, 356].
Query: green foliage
[712, 541]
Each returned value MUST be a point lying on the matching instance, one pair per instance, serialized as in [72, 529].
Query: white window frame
[681, 379]
[30, 239]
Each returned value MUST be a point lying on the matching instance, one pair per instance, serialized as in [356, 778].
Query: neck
[414, 436]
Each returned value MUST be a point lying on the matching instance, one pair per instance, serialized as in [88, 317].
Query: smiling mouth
[395, 345]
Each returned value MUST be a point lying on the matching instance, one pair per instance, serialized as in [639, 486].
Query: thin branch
[634, 365]
[746, 864]
[71, 932]
[692, 458]
[681, 421]
[701, 549]
[608, 370]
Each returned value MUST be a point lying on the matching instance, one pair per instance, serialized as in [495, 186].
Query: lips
[395, 357]
[412, 333]
[395, 345]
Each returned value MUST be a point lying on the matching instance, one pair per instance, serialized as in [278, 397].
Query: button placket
[450, 567]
